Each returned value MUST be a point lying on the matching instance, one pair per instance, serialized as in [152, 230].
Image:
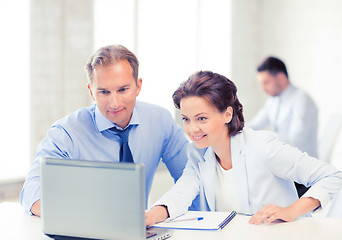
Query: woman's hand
[273, 212]
[155, 215]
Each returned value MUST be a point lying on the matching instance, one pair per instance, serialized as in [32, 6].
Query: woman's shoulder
[250, 134]
[256, 139]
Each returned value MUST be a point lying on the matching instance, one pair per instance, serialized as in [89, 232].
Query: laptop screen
[93, 199]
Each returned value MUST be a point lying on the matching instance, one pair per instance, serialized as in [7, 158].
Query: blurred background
[45, 44]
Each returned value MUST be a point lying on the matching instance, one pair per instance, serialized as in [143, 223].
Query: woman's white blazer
[264, 169]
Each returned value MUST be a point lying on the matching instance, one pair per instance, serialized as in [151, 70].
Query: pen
[187, 219]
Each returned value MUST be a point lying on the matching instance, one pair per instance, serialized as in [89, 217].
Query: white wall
[61, 42]
[245, 53]
[14, 64]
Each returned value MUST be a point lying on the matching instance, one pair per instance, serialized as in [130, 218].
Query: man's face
[114, 90]
[269, 83]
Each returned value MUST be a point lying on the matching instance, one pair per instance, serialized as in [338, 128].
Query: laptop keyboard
[150, 234]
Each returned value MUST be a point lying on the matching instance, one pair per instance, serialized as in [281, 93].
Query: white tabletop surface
[16, 224]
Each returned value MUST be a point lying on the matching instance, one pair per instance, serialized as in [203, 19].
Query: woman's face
[203, 122]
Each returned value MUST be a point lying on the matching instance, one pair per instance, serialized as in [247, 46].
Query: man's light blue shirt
[293, 115]
[85, 135]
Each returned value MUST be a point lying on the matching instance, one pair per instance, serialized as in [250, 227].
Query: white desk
[15, 224]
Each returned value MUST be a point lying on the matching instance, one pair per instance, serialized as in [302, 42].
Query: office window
[114, 23]
[172, 40]
[14, 62]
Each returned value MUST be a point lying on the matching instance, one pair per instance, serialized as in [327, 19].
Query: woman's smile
[197, 138]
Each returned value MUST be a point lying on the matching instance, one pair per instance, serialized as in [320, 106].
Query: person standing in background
[289, 111]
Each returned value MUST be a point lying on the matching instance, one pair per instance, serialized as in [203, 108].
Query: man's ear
[282, 80]
[281, 76]
[139, 83]
[91, 92]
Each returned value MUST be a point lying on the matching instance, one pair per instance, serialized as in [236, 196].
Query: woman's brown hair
[217, 89]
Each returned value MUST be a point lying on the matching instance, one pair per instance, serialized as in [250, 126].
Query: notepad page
[211, 221]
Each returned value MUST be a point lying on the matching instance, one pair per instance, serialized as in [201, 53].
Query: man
[289, 111]
[94, 133]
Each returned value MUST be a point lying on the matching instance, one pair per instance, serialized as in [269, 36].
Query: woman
[236, 168]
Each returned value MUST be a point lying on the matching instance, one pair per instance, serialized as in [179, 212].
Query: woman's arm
[178, 199]
[289, 163]
[156, 214]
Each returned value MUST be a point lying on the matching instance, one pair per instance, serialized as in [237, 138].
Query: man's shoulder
[83, 116]
[301, 96]
[298, 92]
[149, 108]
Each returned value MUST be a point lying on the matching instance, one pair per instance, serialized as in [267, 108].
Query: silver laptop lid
[80, 198]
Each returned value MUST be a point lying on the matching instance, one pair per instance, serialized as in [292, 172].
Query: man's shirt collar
[287, 91]
[103, 123]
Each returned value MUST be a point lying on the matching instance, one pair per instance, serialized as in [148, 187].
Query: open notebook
[189, 221]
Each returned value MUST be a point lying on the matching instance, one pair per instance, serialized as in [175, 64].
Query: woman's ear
[229, 114]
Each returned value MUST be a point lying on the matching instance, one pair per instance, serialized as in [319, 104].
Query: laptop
[94, 200]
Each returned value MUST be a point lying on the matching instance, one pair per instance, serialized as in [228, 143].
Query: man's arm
[57, 144]
[175, 150]
[304, 125]
[35, 209]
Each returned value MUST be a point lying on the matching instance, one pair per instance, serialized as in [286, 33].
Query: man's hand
[155, 215]
[35, 209]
